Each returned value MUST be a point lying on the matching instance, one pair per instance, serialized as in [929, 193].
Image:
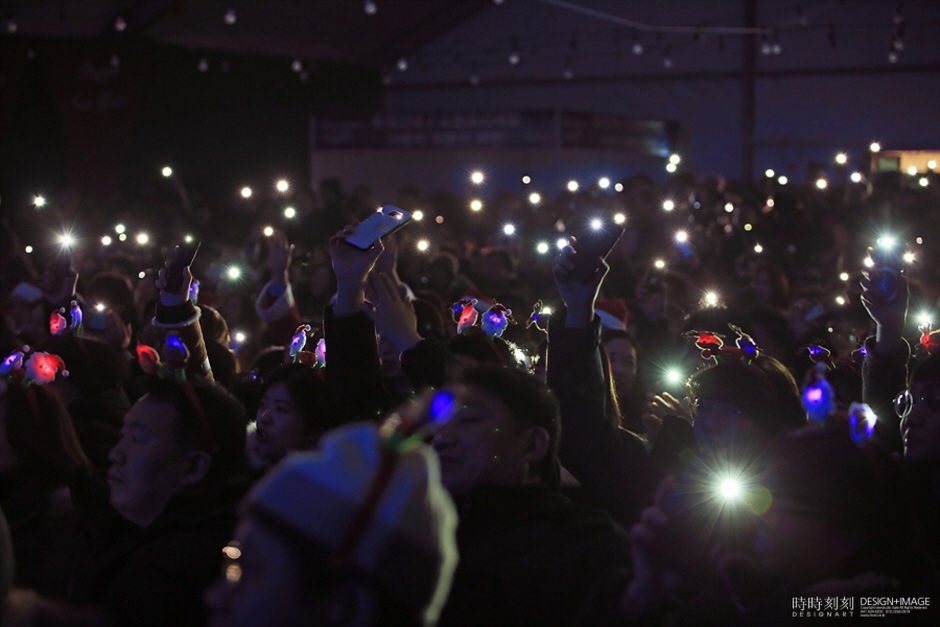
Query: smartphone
[184, 255]
[593, 243]
[884, 274]
[383, 222]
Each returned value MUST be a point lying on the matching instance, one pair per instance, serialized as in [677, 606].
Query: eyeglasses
[904, 403]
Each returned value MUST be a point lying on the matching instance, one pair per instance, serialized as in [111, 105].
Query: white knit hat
[408, 544]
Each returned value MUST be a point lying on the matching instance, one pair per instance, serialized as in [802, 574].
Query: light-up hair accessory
[929, 339]
[194, 291]
[538, 317]
[465, 313]
[862, 421]
[57, 322]
[495, 320]
[298, 342]
[75, 313]
[39, 369]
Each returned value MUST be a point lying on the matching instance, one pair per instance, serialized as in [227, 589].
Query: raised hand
[579, 297]
[280, 252]
[394, 316]
[169, 299]
[888, 313]
[351, 266]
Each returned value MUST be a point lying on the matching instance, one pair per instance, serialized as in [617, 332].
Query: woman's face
[280, 426]
[622, 364]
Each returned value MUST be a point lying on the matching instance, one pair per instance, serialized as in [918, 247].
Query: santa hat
[408, 544]
[483, 303]
[613, 313]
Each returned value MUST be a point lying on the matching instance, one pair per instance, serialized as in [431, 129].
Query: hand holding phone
[382, 223]
[590, 245]
[182, 257]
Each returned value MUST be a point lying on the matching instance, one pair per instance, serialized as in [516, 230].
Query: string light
[476, 205]
[167, 171]
[535, 198]
[282, 185]
[246, 192]
[290, 213]
[439, 220]
[673, 376]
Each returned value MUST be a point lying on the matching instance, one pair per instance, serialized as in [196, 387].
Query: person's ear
[196, 467]
[536, 443]
[351, 604]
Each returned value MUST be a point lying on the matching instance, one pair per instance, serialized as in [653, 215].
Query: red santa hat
[613, 313]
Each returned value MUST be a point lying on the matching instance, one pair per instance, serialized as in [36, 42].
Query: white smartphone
[383, 222]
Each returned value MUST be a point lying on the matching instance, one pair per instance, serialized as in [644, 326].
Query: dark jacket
[529, 556]
[154, 575]
[606, 459]
[883, 379]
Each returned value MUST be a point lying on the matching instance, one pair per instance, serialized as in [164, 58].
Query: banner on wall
[495, 129]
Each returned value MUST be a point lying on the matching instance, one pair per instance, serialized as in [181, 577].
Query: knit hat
[408, 544]
[613, 313]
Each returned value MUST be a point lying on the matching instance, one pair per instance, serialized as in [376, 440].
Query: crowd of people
[731, 418]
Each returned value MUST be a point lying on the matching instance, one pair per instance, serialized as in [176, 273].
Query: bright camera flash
[233, 272]
[887, 242]
[925, 319]
[417, 215]
[603, 182]
[106, 240]
[39, 202]
[535, 198]
[142, 238]
[874, 147]
[730, 489]
[711, 299]
[668, 205]
[769, 173]
[908, 257]
[673, 376]
[476, 205]
[842, 158]
[423, 245]
[572, 186]
[509, 229]
[782, 180]
[282, 185]
[541, 248]
[167, 171]
[290, 213]
[268, 231]
[856, 177]
[66, 240]
[619, 218]
[682, 237]
[597, 224]
[476, 177]
[560, 243]
[246, 192]
[822, 183]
